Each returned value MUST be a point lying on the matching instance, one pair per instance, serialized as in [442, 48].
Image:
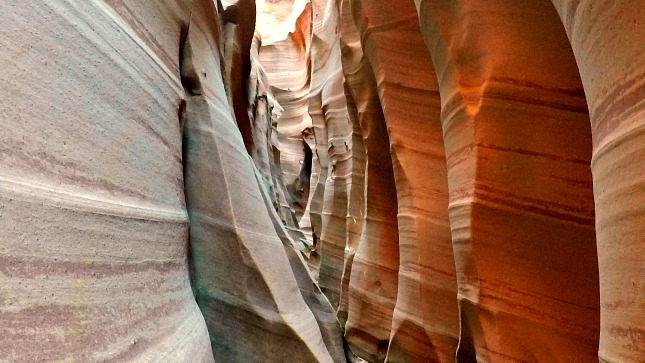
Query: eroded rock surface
[248, 181]
[606, 38]
[93, 223]
[97, 94]
[243, 273]
[518, 148]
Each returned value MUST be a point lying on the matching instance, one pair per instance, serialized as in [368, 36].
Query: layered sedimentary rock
[243, 264]
[463, 179]
[373, 281]
[356, 198]
[255, 107]
[332, 132]
[518, 147]
[284, 28]
[607, 40]
[372, 289]
[425, 324]
[521, 204]
[93, 224]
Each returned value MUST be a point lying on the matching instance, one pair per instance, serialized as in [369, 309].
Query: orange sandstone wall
[518, 147]
[372, 258]
[425, 323]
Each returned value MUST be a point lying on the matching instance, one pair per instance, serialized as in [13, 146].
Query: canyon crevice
[322, 181]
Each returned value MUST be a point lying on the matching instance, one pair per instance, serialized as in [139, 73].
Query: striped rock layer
[248, 181]
[493, 198]
[127, 124]
[93, 222]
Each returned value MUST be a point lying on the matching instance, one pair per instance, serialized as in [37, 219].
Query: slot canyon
[322, 181]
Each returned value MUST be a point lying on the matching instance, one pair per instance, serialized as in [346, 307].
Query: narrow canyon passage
[322, 181]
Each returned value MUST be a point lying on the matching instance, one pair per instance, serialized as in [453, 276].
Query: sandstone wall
[253, 289]
[333, 131]
[372, 284]
[242, 181]
[93, 223]
[425, 323]
[99, 189]
[606, 38]
[471, 119]
[518, 147]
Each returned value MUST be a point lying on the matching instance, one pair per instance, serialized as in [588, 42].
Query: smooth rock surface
[607, 40]
[93, 223]
[248, 180]
[518, 148]
[244, 282]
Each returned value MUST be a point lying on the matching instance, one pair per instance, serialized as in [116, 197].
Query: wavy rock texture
[425, 325]
[315, 299]
[518, 148]
[607, 40]
[93, 224]
[356, 204]
[332, 131]
[256, 110]
[463, 178]
[93, 189]
[372, 289]
[373, 282]
[243, 277]
[285, 31]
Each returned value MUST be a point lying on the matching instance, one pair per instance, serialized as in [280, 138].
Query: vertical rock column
[607, 40]
[373, 282]
[93, 224]
[243, 279]
[425, 326]
[329, 109]
[518, 150]
[351, 56]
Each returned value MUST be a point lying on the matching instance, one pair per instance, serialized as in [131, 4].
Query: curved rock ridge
[606, 38]
[508, 102]
[518, 148]
[425, 322]
[424, 326]
[250, 282]
[373, 255]
[332, 131]
[93, 223]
